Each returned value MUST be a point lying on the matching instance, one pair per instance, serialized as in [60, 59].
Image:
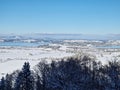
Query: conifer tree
[8, 82]
[2, 84]
[38, 83]
[25, 79]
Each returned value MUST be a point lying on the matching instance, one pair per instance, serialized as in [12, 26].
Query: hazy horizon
[58, 33]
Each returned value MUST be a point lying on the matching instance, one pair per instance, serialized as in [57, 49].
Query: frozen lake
[24, 44]
[109, 47]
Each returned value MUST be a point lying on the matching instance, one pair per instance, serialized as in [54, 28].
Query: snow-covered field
[13, 57]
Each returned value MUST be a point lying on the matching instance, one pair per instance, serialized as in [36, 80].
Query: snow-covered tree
[42, 71]
[113, 72]
[8, 82]
[38, 83]
[25, 80]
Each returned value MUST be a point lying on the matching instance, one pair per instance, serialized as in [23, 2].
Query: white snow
[13, 58]
[10, 66]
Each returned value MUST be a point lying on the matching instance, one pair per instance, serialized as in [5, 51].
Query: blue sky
[60, 16]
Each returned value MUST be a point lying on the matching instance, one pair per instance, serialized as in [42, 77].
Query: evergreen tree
[113, 72]
[38, 83]
[43, 70]
[18, 83]
[25, 80]
[8, 82]
[2, 84]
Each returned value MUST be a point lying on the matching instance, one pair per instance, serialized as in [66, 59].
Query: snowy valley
[18, 49]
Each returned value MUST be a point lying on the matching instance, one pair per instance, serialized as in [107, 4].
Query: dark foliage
[25, 80]
[2, 84]
[71, 74]
[8, 82]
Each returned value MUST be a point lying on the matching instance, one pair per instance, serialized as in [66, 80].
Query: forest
[74, 73]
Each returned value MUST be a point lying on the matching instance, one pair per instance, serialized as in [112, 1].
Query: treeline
[71, 74]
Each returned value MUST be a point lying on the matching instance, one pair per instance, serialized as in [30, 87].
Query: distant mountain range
[59, 36]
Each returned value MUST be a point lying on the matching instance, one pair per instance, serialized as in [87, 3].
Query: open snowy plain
[12, 58]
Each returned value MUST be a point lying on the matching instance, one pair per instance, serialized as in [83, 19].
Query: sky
[60, 16]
